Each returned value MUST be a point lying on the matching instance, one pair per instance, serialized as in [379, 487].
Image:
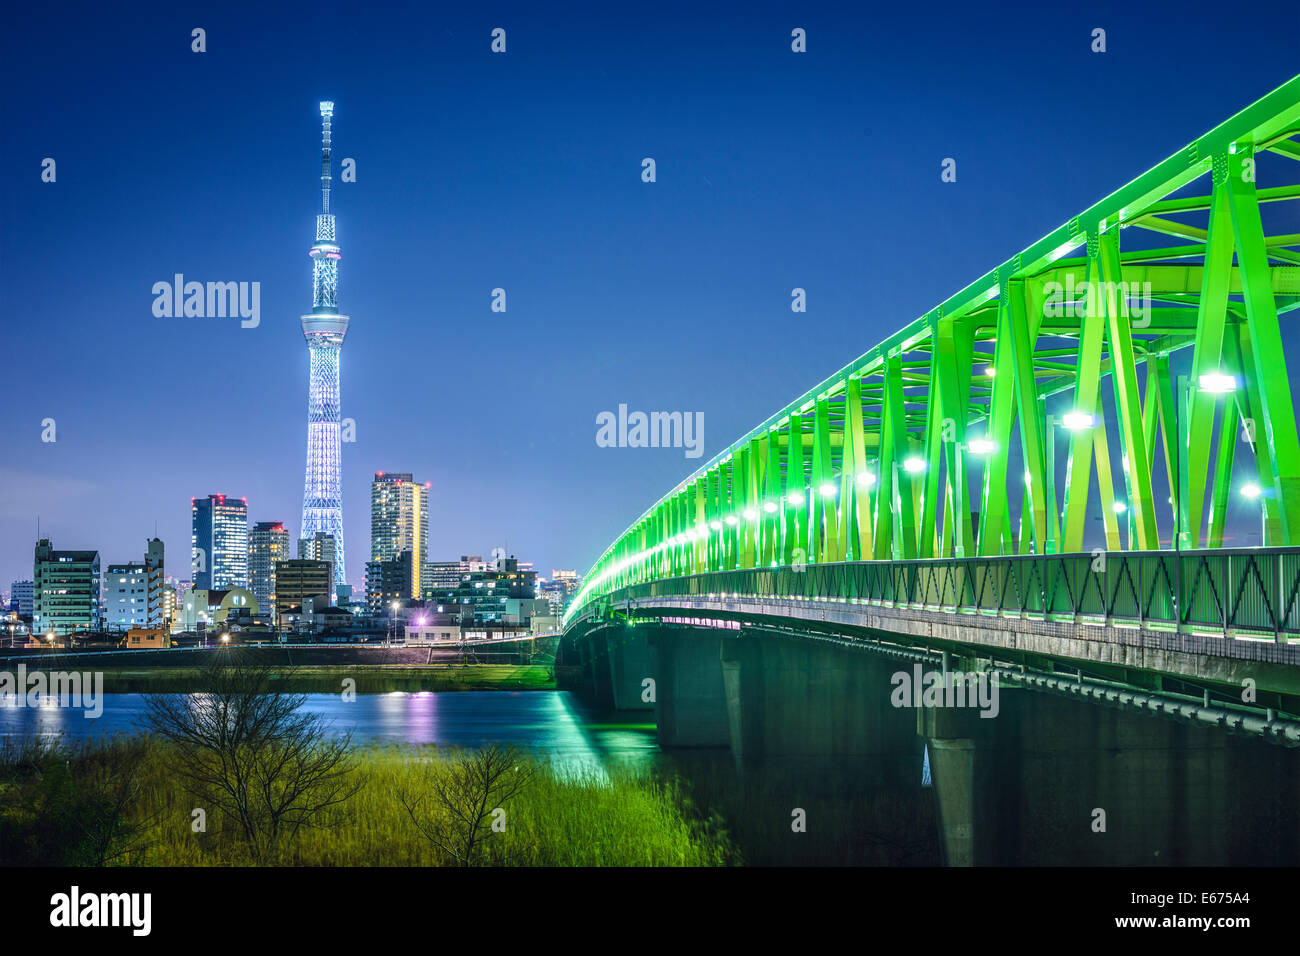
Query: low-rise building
[145, 639]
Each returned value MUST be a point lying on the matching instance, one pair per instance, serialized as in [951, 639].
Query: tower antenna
[324, 329]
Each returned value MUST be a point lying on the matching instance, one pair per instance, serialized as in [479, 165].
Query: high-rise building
[268, 543]
[319, 547]
[65, 588]
[324, 329]
[126, 588]
[21, 596]
[219, 539]
[153, 562]
[388, 581]
[297, 580]
[399, 521]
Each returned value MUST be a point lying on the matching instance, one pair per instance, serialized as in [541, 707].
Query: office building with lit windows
[22, 597]
[319, 547]
[268, 543]
[388, 581]
[399, 521]
[219, 541]
[297, 580]
[65, 586]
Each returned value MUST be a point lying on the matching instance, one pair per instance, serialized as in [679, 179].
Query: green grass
[619, 818]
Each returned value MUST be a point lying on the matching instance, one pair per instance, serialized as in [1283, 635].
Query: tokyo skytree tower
[324, 329]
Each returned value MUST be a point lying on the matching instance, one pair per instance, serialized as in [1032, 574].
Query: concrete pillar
[630, 663]
[794, 697]
[690, 707]
[599, 688]
[1036, 784]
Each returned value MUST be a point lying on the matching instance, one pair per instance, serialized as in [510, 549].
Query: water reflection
[552, 724]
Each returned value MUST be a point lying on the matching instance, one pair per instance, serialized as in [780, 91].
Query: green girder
[885, 459]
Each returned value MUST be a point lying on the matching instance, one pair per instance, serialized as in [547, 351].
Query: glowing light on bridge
[1218, 383]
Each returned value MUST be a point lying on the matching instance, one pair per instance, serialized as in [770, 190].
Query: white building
[126, 597]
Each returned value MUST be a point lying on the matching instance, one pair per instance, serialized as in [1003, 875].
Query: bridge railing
[1246, 592]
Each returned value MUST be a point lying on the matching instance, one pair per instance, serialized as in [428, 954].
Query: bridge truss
[982, 428]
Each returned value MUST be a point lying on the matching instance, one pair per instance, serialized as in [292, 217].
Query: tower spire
[326, 113]
[324, 329]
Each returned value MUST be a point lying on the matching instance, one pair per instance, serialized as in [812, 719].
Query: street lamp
[1077, 421]
[1212, 383]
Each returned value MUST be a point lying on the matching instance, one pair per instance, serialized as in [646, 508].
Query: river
[854, 820]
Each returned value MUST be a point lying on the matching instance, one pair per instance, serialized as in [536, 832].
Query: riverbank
[123, 802]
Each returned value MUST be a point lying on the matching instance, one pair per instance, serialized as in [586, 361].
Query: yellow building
[139, 638]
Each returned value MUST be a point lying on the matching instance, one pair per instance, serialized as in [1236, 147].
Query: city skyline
[793, 185]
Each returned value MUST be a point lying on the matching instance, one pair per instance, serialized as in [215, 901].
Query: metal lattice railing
[1243, 592]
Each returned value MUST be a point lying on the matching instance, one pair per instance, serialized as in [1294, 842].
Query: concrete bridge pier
[630, 664]
[789, 697]
[580, 666]
[607, 667]
[1053, 781]
[690, 706]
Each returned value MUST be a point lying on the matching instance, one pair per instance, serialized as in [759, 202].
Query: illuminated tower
[324, 329]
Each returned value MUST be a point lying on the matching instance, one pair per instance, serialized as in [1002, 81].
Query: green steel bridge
[969, 480]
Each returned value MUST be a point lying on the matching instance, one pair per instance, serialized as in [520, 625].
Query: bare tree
[248, 749]
[111, 781]
[454, 804]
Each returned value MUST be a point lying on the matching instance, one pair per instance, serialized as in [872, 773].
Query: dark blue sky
[522, 171]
